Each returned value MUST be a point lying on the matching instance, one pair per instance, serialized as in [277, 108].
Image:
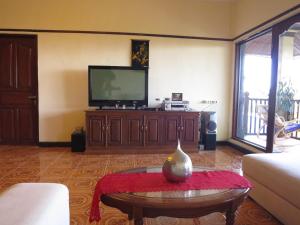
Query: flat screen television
[117, 85]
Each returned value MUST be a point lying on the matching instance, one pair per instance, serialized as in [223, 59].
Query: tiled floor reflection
[80, 172]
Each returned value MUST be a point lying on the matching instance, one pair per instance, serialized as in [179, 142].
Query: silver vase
[178, 166]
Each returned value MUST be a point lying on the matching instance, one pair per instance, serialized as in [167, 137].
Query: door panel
[24, 58]
[7, 125]
[97, 131]
[27, 129]
[6, 64]
[18, 87]
[135, 130]
[188, 130]
[172, 129]
[14, 98]
[114, 131]
[154, 130]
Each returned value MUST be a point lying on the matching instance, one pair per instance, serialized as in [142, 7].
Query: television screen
[117, 85]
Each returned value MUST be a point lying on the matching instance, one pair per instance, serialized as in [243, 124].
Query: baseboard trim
[222, 143]
[239, 148]
[54, 144]
[68, 144]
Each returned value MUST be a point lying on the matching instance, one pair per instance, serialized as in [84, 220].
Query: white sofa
[276, 180]
[35, 204]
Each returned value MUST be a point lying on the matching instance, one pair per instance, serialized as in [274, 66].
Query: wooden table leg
[230, 216]
[138, 221]
[130, 217]
[138, 216]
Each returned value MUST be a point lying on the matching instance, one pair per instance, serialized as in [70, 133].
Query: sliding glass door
[253, 89]
[267, 88]
[287, 115]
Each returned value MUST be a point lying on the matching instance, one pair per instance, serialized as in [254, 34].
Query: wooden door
[189, 129]
[172, 128]
[114, 130]
[153, 129]
[135, 129]
[96, 129]
[18, 89]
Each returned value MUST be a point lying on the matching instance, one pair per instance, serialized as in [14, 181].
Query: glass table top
[176, 194]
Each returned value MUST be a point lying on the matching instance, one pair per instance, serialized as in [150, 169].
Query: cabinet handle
[182, 128]
[146, 128]
[107, 127]
[142, 127]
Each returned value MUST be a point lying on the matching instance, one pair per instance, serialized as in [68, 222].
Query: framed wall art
[139, 53]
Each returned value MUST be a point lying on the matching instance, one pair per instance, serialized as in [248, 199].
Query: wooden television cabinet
[129, 129]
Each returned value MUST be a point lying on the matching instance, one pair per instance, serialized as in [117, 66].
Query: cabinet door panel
[96, 131]
[154, 130]
[135, 130]
[114, 131]
[189, 129]
[172, 129]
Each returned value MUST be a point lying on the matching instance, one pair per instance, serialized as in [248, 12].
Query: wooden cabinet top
[151, 112]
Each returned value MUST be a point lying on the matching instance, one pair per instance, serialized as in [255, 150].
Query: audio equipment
[208, 130]
[78, 140]
[175, 105]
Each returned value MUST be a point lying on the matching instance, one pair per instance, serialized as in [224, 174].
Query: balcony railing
[251, 121]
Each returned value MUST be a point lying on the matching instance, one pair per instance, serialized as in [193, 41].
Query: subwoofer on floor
[208, 130]
[78, 140]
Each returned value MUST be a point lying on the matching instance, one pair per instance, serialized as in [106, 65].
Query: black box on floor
[209, 141]
[78, 141]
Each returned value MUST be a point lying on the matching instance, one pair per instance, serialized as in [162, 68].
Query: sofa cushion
[35, 204]
[280, 172]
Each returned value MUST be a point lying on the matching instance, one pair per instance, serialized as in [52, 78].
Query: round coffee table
[180, 204]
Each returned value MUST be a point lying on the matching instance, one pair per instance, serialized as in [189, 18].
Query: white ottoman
[276, 181]
[35, 204]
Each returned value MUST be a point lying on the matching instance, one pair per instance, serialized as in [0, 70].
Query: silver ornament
[178, 166]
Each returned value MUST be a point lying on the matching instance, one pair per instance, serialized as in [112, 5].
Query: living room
[191, 51]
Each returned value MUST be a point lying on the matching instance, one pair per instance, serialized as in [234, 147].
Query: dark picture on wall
[140, 53]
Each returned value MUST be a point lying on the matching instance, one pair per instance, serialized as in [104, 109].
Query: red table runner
[151, 182]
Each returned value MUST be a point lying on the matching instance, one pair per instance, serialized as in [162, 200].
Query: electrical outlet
[208, 102]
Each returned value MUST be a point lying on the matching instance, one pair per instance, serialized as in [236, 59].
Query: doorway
[18, 89]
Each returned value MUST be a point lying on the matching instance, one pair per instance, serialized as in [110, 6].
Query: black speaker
[210, 141]
[78, 141]
[208, 130]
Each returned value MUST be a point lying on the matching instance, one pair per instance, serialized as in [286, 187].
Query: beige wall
[250, 13]
[178, 17]
[199, 69]
[202, 70]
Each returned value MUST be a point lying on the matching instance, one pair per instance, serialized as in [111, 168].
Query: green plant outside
[285, 96]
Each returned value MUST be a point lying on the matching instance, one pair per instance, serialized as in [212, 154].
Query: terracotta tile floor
[80, 172]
